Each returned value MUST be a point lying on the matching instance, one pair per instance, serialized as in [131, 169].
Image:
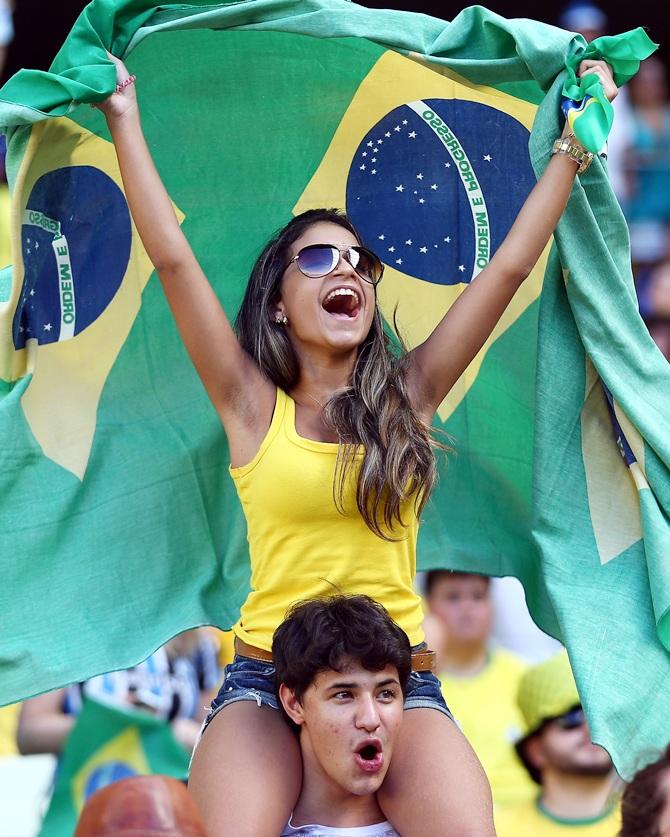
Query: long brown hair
[372, 413]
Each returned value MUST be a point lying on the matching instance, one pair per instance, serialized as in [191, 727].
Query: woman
[310, 394]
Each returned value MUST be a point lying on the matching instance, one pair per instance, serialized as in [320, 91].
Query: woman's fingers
[602, 69]
[121, 72]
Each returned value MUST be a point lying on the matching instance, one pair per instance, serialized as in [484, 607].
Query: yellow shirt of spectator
[531, 820]
[485, 708]
[9, 720]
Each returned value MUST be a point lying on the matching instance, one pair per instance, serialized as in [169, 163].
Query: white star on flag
[421, 200]
[419, 176]
[488, 158]
[412, 134]
[391, 249]
[409, 241]
[398, 261]
[32, 292]
[381, 237]
[47, 327]
[362, 168]
[400, 188]
[434, 186]
[397, 128]
[387, 134]
[461, 267]
[423, 249]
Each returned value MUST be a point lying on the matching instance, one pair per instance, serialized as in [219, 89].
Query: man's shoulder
[381, 829]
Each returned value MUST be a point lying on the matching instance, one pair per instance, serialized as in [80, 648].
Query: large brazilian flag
[119, 525]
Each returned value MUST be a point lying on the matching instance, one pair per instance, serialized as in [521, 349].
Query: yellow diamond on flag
[432, 170]
[78, 276]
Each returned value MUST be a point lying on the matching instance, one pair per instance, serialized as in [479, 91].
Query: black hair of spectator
[644, 799]
[331, 633]
[433, 576]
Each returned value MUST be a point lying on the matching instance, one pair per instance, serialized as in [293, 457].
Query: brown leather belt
[422, 660]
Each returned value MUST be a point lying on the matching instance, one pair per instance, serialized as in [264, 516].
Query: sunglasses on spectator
[570, 720]
[318, 260]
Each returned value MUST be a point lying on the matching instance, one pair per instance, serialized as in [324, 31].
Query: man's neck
[575, 797]
[463, 659]
[323, 803]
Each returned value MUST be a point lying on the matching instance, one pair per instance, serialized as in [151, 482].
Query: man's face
[462, 603]
[349, 721]
[564, 745]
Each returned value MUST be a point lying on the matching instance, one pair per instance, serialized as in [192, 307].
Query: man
[342, 667]
[575, 776]
[479, 683]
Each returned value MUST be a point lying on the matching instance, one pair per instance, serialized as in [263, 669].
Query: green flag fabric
[119, 525]
[107, 744]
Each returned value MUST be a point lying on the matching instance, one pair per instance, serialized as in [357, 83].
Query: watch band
[565, 145]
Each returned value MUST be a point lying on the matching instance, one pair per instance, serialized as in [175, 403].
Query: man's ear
[534, 752]
[291, 704]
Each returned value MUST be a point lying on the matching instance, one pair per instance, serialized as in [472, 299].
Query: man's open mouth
[369, 756]
[343, 303]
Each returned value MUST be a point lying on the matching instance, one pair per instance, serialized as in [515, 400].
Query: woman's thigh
[436, 786]
[246, 772]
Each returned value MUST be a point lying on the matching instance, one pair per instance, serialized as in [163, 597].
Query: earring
[281, 319]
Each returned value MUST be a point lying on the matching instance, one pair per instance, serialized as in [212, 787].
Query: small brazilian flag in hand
[107, 744]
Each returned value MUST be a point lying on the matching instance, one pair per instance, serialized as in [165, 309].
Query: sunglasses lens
[571, 720]
[317, 261]
[366, 264]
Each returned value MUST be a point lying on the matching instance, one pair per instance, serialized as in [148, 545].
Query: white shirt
[380, 829]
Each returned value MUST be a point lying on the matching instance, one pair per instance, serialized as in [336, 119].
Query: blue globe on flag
[424, 187]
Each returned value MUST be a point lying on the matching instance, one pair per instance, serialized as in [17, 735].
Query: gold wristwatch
[575, 152]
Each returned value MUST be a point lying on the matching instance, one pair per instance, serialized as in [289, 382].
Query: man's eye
[342, 695]
[388, 694]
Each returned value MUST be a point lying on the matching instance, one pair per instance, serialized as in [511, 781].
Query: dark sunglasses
[317, 260]
[570, 720]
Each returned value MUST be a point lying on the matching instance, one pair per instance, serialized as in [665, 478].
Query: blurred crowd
[638, 161]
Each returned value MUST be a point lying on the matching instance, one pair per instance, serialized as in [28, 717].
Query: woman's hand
[124, 98]
[604, 72]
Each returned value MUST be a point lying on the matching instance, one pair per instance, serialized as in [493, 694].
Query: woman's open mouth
[342, 303]
[369, 757]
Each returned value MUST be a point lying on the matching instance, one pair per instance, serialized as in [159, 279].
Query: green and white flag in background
[108, 744]
[119, 525]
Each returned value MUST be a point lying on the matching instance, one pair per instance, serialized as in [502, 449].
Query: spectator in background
[648, 163]
[576, 777]
[479, 682]
[175, 683]
[584, 17]
[653, 290]
[645, 805]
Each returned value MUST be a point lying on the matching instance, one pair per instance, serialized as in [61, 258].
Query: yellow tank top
[301, 547]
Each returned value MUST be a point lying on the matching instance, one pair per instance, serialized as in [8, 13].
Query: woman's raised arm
[235, 385]
[440, 360]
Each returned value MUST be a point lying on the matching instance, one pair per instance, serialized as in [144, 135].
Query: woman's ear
[291, 704]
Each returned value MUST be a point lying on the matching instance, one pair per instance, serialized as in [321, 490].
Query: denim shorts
[247, 679]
